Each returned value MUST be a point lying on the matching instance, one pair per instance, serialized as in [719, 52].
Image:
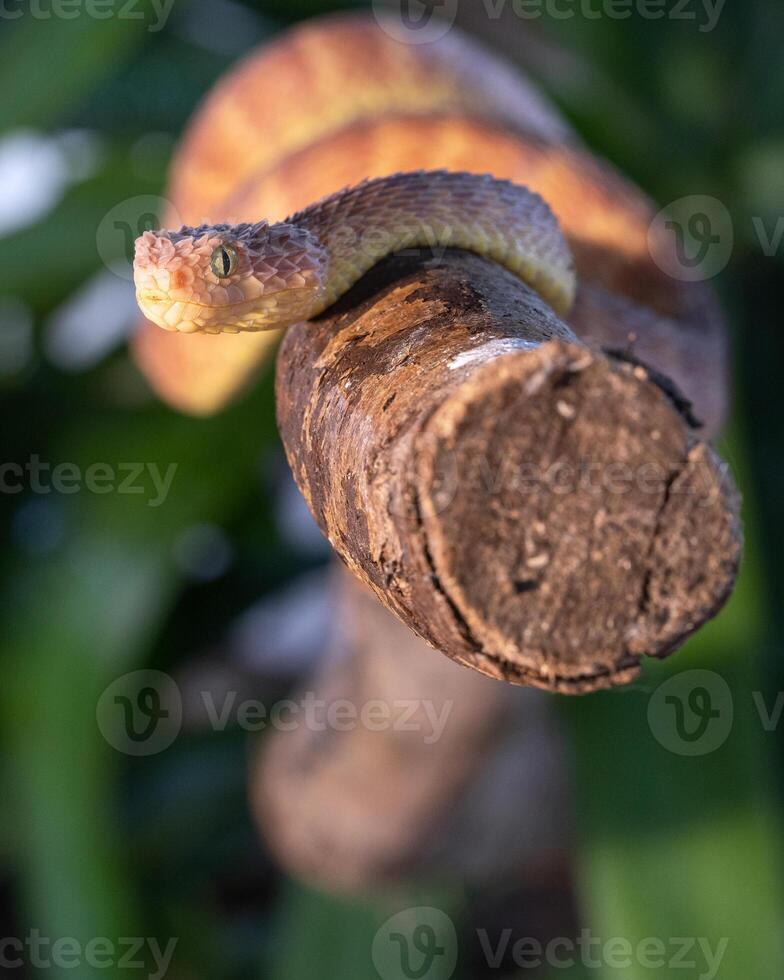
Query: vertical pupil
[225, 261]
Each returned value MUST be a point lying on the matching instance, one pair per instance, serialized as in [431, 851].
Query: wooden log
[534, 507]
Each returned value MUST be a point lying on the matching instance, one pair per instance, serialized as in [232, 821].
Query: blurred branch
[446, 773]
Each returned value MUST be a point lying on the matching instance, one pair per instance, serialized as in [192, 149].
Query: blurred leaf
[50, 63]
[104, 595]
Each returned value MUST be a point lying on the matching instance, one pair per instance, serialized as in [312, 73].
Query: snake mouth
[241, 305]
[148, 301]
[245, 316]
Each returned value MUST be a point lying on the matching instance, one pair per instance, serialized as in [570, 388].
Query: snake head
[229, 278]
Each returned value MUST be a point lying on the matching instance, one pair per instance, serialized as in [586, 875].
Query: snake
[338, 143]
[249, 277]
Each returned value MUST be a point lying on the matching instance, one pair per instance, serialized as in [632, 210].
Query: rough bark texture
[533, 507]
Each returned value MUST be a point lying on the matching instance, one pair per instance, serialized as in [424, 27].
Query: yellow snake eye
[223, 261]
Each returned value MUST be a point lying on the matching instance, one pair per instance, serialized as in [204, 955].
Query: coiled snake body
[439, 145]
[230, 278]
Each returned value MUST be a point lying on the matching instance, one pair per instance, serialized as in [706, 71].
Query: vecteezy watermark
[422, 943]
[770, 241]
[691, 239]
[695, 953]
[415, 21]
[95, 9]
[692, 713]
[124, 223]
[39, 477]
[705, 13]
[770, 718]
[39, 952]
[417, 943]
[340, 715]
[585, 477]
[422, 21]
[141, 713]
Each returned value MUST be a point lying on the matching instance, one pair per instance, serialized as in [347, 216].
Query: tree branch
[531, 506]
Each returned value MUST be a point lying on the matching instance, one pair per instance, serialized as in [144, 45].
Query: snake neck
[252, 277]
[437, 210]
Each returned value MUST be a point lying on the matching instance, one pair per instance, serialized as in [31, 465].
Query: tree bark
[533, 507]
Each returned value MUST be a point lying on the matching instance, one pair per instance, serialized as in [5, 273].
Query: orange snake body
[338, 101]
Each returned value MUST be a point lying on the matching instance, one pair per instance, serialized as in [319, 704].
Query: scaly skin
[292, 271]
[337, 100]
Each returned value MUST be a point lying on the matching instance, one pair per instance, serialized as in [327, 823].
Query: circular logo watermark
[416, 944]
[140, 713]
[120, 227]
[691, 239]
[415, 21]
[691, 714]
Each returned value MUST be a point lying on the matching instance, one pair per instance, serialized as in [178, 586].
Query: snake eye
[223, 261]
